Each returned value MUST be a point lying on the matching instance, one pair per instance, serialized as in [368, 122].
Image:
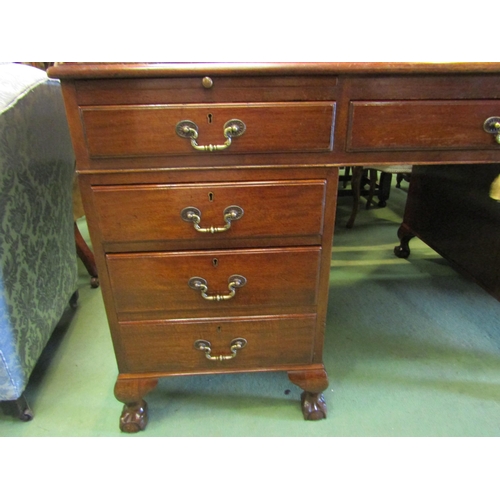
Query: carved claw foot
[130, 391]
[313, 405]
[134, 417]
[312, 382]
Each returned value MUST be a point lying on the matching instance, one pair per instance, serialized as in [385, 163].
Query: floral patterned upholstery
[38, 266]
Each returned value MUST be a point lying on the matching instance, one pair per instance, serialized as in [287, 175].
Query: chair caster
[26, 415]
[18, 408]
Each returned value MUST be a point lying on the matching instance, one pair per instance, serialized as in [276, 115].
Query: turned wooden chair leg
[373, 185]
[399, 178]
[87, 257]
[384, 188]
[347, 174]
[357, 173]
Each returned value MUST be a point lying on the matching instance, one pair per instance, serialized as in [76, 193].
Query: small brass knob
[207, 82]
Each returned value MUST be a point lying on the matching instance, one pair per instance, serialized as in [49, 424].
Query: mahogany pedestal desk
[210, 194]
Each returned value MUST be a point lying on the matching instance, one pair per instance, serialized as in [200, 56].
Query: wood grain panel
[191, 90]
[169, 346]
[152, 213]
[127, 131]
[155, 285]
[420, 125]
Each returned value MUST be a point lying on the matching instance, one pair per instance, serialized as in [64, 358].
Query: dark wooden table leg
[313, 382]
[134, 417]
[372, 176]
[384, 188]
[357, 173]
[404, 235]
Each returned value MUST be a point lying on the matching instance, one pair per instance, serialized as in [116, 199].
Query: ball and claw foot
[313, 405]
[134, 417]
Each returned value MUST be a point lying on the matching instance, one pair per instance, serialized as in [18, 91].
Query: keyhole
[209, 117]
[210, 196]
[215, 262]
[218, 329]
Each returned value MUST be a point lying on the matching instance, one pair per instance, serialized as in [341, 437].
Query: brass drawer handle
[188, 129]
[492, 126]
[193, 214]
[204, 345]
[235, 281]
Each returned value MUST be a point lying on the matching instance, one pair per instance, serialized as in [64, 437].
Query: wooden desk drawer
[148, 214]
[169, 346]
[150, 130]
[155, 285]
[193, 90]
[420, 125]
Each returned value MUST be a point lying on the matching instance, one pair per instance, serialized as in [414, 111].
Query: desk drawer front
[193, 90]
[420, 125]
[169, 346]
[128, 131]
[156, 285]
[152, 213]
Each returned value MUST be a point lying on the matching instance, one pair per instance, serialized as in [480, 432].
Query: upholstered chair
[38, 262]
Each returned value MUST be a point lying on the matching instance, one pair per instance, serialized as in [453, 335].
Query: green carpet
[412, 349]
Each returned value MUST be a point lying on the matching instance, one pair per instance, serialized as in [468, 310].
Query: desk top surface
[165, 70]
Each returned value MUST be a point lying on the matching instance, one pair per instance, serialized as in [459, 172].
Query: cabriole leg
[134, 417]
[313, 382]
[403, 249]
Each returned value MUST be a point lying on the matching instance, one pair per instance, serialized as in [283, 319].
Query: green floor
[411, 349]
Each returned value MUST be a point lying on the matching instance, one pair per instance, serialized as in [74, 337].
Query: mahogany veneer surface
[303, 120]
[150, 212]
[150, 130]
